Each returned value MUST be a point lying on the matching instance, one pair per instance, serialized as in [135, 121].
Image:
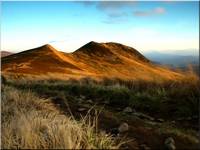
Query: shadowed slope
[93, 59]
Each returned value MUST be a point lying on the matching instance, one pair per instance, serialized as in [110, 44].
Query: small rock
[79, 99]
[144, 147]
[128, 110]
[173, 121]
[82, 109]
[89, 101]
[143, 116]
[188, 118]
[58, 105]
[123, 127]
[80, 102]
[119, 109]
[151, 123]
[160, 120]
[82, 96]
[124, 147]
[170, 144]
[151, 118]
[86, 105]
[195, 117]
[106, 102]
[180, 119]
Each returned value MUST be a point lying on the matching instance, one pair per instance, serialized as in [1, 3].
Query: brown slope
[93, 59]
[37, 61]
[117, 60]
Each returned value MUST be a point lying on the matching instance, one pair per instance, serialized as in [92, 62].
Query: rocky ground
[140, 131]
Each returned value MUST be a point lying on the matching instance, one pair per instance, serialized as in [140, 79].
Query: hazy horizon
[146, 26]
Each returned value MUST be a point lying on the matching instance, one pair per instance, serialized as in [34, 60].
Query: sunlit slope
[37, 61]
[93, 59]
[117, 60]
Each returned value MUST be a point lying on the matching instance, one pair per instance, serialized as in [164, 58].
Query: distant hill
[93, 59]
[5, 53]
[174, 60]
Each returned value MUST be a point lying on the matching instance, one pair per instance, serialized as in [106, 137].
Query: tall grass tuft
[29, 122]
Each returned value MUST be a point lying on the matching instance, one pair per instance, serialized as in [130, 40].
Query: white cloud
[155, 11]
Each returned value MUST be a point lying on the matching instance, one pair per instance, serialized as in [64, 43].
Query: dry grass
[180, 97]
[29, 122]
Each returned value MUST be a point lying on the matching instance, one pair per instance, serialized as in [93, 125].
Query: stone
[128, 110]
[123, 127]
[82, 96]
[170, 143]
[89, 101]
[106, 102]
[188, 118]
[81, 109]
[195, 117]
[180, 119]
[80, 101]
[119, 109]
[160, 120]
[124, 147]
[151, 123]
[143, 116]
[151, 118]
[86, 105]
[173, 121]
[144, 147]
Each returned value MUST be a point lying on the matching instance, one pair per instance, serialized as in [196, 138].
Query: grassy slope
[168, 100]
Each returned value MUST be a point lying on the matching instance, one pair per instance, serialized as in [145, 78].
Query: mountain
[5, 53]
[184, 52]
[36, 61]
[93, 59]
[175, 60]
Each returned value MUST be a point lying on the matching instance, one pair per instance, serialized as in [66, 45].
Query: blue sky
[66, 25]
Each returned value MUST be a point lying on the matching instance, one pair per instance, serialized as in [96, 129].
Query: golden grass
[29, 122]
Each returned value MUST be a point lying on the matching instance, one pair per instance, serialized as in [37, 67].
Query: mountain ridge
[93, 59]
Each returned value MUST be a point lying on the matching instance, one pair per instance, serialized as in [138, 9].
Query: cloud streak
[155, 11]
[113, 5]
[120, 11]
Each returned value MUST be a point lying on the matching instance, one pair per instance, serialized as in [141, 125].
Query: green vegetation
[180, 98]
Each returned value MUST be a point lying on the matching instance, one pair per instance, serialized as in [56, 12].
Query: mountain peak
[44, 48]
[47, 46]
[94, 48]
[110, 49]
[91, 44]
